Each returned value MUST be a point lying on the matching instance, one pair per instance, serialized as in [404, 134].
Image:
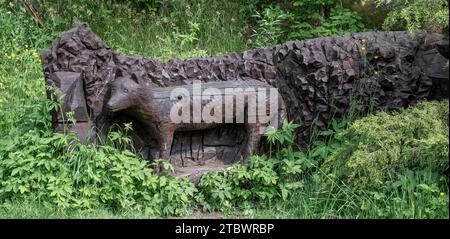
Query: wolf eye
[125, 90]
[179, 97]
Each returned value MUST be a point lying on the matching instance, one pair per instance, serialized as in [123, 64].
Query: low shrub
[261, 181]
[383, 146]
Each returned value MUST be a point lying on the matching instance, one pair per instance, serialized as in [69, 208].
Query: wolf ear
[136, 78]
[119, 72]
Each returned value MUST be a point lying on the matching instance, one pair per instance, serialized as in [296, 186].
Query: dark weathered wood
[164, 92]
[152, 107]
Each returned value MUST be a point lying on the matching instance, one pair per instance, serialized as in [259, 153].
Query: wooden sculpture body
[152, 106]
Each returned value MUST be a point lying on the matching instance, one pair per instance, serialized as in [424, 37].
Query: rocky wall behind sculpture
[317, 79]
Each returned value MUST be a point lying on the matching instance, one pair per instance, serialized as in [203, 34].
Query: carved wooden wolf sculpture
[158, 108]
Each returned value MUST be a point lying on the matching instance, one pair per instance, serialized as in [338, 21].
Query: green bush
[341, 21]
[270, 28]
[60, 172]
[383, 146]
[416, 14]
[261, 181]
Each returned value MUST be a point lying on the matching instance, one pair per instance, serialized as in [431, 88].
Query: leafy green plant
[340, 21]
[412, 194]
[299, 20]
[280, 137]
[270, 29]
[58, 170]
[260, 181]
[331, 140]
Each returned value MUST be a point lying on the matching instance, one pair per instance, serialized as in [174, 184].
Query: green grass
[191, 28]
[33, 210]
[27, 210]
[321, 200]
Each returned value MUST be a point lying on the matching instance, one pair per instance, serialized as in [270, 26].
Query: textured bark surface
[395, 69]
[315, 77]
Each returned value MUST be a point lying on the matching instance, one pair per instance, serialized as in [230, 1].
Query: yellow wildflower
[375, 57]
[442, 194]
[35, 54]
[9, 57]
[363, 49]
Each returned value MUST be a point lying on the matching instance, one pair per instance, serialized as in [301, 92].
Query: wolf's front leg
[253, 139]
[165, 144]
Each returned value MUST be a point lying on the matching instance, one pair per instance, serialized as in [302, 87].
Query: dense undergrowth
[386, 165]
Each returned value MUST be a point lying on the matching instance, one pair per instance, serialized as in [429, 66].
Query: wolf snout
[110, 107]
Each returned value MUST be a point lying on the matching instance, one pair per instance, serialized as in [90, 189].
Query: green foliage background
[416, 14]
